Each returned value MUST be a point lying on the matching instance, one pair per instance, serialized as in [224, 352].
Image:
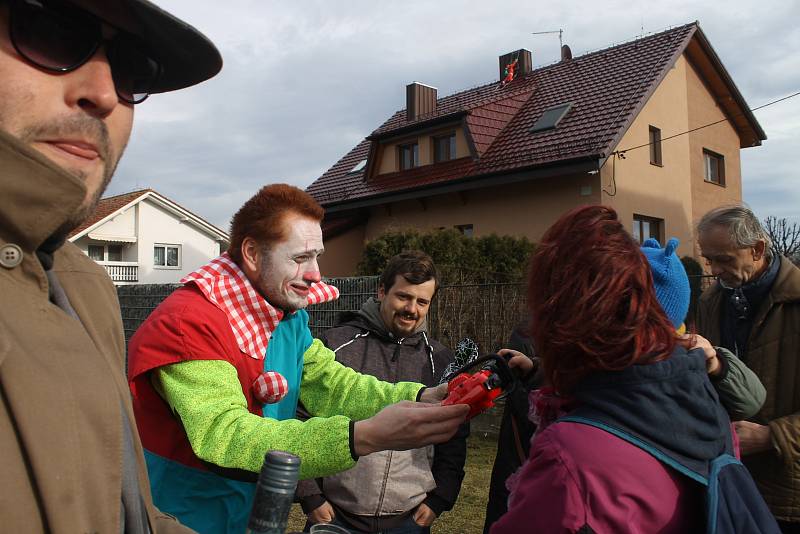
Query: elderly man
[70, 73]
[218, 368]
[388, 339]
[754, 311]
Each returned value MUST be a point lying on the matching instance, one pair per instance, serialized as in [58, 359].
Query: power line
[620, 152]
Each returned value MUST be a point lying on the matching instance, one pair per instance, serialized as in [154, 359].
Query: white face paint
[290, 266]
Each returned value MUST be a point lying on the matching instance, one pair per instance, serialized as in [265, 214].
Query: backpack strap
[639, 443]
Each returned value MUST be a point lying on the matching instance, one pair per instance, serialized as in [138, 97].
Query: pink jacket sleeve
[547, 497]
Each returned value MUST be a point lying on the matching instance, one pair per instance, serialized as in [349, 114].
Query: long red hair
[592, 301]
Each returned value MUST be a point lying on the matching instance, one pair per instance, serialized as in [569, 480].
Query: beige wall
[524, 209]
[662, 192]
[342, 253]
[720, 138]
[388, 154]
[676, 192]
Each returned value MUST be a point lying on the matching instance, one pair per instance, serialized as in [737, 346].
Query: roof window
[358, 167]
[551, 117]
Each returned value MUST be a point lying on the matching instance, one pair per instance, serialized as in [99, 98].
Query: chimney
[420, 99]
[524, 63]
[566, 53]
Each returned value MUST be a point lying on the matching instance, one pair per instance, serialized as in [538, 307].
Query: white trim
[112, 238]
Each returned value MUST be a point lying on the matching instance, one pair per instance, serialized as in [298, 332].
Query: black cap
[187, 56]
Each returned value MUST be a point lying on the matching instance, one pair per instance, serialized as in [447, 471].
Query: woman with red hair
[608, 349]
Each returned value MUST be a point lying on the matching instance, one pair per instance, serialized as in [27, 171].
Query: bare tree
[785, 237]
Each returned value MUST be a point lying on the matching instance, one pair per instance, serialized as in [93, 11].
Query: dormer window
[409, 156]
[444, 147]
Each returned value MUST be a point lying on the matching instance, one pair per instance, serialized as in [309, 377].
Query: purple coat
[578, 476]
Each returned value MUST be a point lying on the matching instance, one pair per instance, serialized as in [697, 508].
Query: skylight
[358, 167]
[551, 117]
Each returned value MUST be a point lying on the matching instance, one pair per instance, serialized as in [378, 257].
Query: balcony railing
[122, 271]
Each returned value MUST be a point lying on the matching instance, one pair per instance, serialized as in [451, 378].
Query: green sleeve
[207, 397]
[329, 388]
[740, 391]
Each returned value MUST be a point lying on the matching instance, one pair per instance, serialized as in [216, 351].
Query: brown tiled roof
[106, 207]
[606, 90]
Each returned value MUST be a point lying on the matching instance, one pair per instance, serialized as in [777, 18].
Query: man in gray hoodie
[395, 492]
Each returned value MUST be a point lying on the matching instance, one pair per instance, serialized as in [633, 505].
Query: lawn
[468, 514]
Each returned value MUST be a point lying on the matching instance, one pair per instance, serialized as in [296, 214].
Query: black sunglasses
[59, 37]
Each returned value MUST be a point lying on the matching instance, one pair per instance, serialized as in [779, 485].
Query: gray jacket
[389, 484]
[740, 391]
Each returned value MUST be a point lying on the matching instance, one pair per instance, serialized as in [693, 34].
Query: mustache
[82, 126]
[409, 316]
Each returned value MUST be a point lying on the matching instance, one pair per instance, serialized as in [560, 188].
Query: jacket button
[10, 256]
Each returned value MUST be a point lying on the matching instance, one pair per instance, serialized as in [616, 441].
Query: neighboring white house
[144, 238]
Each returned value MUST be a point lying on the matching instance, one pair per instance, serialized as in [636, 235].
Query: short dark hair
[413, 265]
[263, 216]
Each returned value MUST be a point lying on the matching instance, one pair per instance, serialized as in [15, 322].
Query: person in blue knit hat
[670, 280]
[740, 390]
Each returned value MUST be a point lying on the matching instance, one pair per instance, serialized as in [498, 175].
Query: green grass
[468, 514]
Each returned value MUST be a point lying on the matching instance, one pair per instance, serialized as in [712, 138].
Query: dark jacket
[516, 430]
[385, 487]
[65, 415]
[773, 353]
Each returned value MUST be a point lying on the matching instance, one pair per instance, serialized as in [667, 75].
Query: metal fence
[138, 301]
[485, 312]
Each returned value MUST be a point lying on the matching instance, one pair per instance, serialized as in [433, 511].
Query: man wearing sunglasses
[70, 73]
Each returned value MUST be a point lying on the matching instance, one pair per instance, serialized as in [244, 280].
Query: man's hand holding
[753, 437]
[424, 516]
[322, 514]
[434, 395]
[407, 425]
[518, 361]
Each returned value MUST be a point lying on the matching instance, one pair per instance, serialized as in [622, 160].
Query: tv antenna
[560, 33]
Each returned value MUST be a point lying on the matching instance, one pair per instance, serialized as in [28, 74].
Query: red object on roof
[605, 89]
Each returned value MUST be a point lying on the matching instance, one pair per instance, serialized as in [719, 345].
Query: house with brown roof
[652, 127]
[143, 237]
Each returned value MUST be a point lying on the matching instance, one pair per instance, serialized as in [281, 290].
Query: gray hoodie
[384, 487]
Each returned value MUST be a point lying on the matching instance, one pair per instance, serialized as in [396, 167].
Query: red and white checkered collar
[251, 317]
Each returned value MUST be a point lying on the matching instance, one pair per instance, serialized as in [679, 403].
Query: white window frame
[167, 246]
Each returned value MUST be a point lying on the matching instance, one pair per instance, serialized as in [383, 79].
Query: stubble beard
[87, 127]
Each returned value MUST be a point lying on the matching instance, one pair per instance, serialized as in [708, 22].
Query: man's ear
[381, 292]
[251, 255]
[759, 249]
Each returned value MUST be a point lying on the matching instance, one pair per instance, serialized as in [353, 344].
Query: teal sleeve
[207, 397]
[330, 388]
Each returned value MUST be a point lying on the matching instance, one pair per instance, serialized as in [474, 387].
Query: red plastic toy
[479, 390]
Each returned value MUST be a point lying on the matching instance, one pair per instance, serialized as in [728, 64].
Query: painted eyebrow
[308, 252]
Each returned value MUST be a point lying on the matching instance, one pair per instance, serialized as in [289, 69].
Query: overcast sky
[304, 82]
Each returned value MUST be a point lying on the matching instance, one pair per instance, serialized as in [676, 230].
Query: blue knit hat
[669, 278]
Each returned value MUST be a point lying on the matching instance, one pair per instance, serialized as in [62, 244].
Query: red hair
[263, 216]
[592, 302]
